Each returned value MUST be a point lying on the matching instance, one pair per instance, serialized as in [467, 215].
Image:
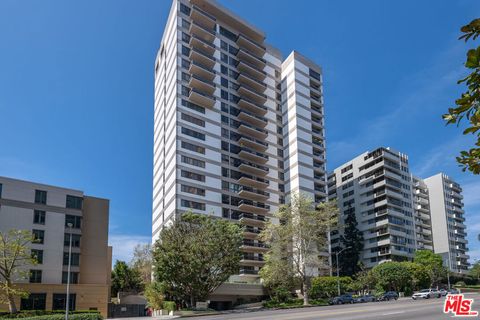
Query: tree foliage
[14, 257]
[392, 276]
[142, 261]
[278, 276]
[298, 238]
[326, 287]
[125, 279]
[155, 295]
[196, 255]
[432, 263]
[352, 240]
[468, 105]
[475, 271]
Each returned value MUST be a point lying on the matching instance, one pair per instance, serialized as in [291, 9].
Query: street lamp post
[338, 273]
[69, 225]
[448, 271]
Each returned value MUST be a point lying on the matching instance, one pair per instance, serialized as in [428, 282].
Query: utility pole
[338, 273]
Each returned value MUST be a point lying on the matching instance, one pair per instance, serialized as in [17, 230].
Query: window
[59, 301]
[194, 120]
[37, 255]
[76, 221]
[1, 186]
[193, 190]
[193, 176]
[193, 134]
[314, 74]
[228, 34]
[193, 106]
[74, 202]
[35, 301]
[193, 205]
[75, 261]
[39, 217]
[192, 147]
[75, 240]
[193, 162]
[73, 277]
[40, 196]
[38, 236]
[35, 276]
[186, 10]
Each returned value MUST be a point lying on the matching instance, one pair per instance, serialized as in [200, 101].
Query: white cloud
[471, 193]
[123, 245]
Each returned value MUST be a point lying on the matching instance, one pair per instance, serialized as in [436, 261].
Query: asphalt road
[431, 309]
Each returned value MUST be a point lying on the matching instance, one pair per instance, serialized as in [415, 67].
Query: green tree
[142, 261]
[352, 239]
[364, 281]
[155, 295]
[300, 235]
[326, 287]
[420, 276]
[15, 257]
[433, 263]
[196, 255]
[392, 276]
[278, 276]
[475, 271]
[468, 105]
[125, 279]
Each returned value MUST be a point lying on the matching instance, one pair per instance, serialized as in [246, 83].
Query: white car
[427, 294]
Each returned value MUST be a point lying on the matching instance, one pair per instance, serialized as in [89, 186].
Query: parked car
[427, 294]
[443, 292]
[344, 298]
[389, 295]
[453, 291]
[366, 298]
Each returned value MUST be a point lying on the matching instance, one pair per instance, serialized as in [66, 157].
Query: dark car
[389, 295]
[366, 298]
[344, 298]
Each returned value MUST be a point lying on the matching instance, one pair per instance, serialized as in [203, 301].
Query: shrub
[326, 287]
[58, 316]
[169, 305]
[460, 284]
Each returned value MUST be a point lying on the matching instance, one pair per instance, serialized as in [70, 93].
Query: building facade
[376, 187]
[237, 127]
[397, 212]
[448, 221]
[47, 212]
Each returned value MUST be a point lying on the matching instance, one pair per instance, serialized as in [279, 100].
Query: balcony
[252, 143]
[252, 119]
[201, 98]
[252, 261]
[203, 18]
[245, 67]
[253, 168]
[253, 207]
[253, 181]
[252, 155]
[248, 273]
[245, 79]
[202, 32]
[201, 70]
[252, 107]
[252, 131]
[202, 58]
[251, 219]
[201, 84]
[253, 194]
[251, 45]
[250, 246]
[202, 45]
[251, 58]
[252, 95]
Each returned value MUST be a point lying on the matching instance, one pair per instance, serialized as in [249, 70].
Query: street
[394, 310]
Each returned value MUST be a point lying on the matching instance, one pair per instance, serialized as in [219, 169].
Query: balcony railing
[252, 106]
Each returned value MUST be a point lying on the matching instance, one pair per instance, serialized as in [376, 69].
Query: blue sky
[76, 90]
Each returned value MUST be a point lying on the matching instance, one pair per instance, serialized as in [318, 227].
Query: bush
[460, 284]
[326, 287]
[58, 316]
[25, 314]
[169, 305]
[293, 303]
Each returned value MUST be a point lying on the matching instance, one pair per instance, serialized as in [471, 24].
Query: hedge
[53, 315]
[169, 305]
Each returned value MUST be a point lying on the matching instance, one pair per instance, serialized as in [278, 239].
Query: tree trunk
[306, 300]
[192, 302]
[11, 304]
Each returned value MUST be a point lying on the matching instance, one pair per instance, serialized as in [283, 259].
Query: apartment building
[52, 214]
[397, 212]
[237, 128]
[448, 221]
[376, 188]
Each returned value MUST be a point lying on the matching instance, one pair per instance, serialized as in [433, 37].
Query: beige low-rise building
[53, 215]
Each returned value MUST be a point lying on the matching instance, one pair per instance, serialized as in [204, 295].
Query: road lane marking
[390, 313]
